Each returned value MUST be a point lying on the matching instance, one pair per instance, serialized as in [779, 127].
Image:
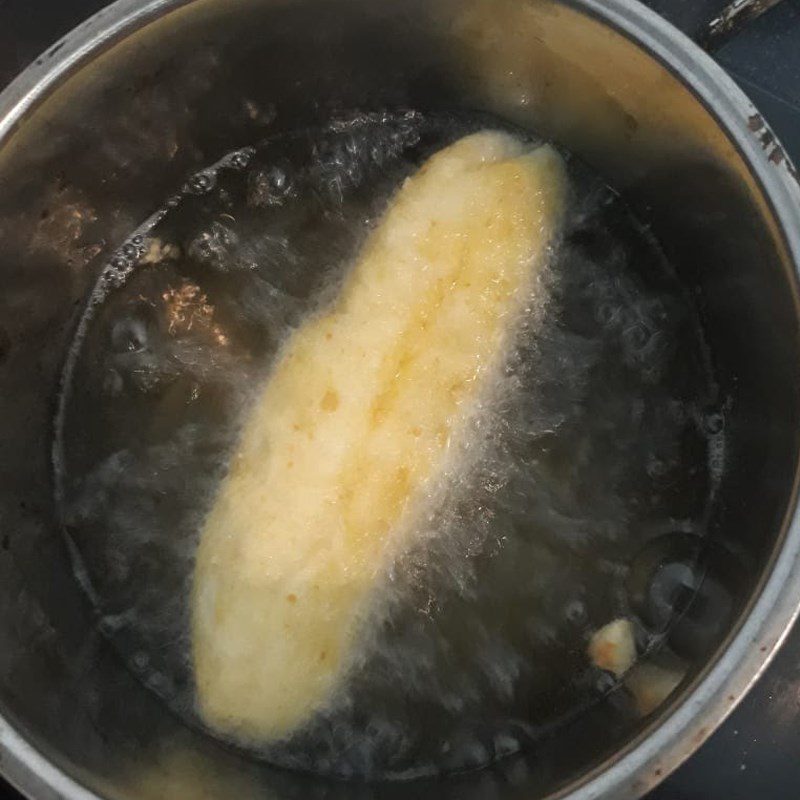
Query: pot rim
[663, 746]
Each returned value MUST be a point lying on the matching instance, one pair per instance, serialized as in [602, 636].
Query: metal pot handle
[732, 18]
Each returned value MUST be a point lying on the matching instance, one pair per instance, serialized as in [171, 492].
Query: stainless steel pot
[110, 121]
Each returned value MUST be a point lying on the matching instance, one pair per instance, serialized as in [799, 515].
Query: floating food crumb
[651, 685]
[612, 648]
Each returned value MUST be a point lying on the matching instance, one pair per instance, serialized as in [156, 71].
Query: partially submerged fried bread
[355, 421]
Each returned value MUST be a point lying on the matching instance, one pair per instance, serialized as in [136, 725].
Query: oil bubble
[202, 182]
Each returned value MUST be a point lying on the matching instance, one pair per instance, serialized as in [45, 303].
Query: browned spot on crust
[605, 655]
[291, 598]
[330, 401]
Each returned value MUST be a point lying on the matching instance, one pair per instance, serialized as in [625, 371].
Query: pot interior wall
[90, 163]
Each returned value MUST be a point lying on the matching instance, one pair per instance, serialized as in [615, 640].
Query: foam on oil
[602, 433]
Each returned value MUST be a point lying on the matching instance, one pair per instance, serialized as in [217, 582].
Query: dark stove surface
[755, 755]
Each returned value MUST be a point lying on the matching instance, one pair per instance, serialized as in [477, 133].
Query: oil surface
[602, 439]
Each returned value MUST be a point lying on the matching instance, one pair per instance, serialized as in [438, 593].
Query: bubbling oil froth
[600, 435]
